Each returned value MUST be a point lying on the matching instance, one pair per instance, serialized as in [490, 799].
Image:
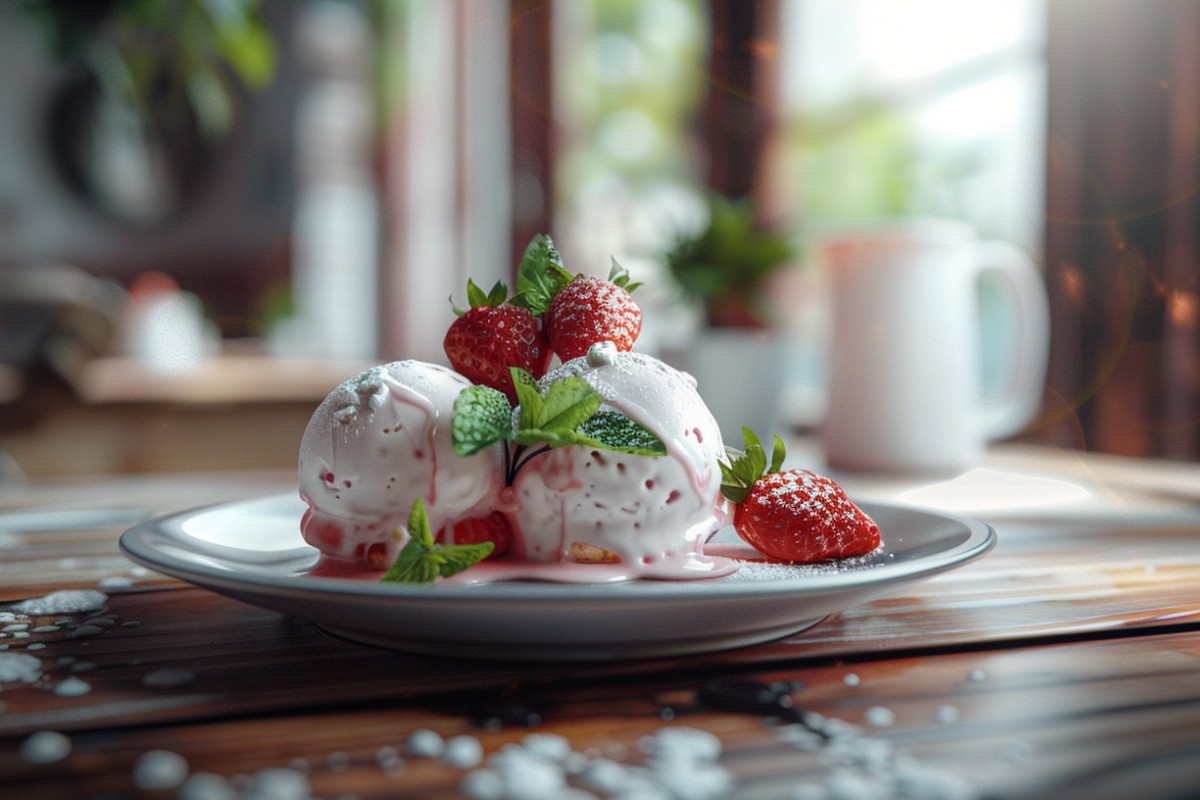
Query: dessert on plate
[608, 466]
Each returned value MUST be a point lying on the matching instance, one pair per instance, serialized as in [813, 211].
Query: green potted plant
[727, 267]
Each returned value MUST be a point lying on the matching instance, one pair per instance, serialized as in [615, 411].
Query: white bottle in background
[335, 236]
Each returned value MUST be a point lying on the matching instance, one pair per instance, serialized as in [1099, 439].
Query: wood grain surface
[1066, 663]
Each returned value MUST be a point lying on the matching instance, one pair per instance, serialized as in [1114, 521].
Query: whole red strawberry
[493, 528]
[793, 515]
[491, 336]
[590, 309]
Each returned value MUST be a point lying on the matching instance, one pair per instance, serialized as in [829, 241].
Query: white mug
[907, 367]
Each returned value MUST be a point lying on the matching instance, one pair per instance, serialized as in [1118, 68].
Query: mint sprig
[553, 419]
[540, 276]
[742, 472]
[567, 414]
[482, 417]
[615, 431]
[422, 560]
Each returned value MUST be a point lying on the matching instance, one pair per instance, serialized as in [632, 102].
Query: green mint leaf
[528, 396]
[413, 564]
[418, 525]
[540, 275]
[457, 557]
[482, 417]
[568, 404]
[615, 431]
[422, 561]
[552, 438]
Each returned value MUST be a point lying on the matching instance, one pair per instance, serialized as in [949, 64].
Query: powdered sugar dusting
[758, 571]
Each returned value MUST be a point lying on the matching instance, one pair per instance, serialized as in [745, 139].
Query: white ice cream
[383, 439]
[376, 444]
[652, 512]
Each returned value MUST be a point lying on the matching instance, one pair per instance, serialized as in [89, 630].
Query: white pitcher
[907, 370]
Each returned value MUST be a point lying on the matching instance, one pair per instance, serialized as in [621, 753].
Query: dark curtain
[531, 94]
[740, 113]
[1123, 226]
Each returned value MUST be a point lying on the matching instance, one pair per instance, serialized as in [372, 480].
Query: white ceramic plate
[252, 551]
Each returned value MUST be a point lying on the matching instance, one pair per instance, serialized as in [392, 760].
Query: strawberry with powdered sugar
[793, 515]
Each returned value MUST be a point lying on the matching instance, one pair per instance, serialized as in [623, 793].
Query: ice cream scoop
[376, 444]
[652, 513]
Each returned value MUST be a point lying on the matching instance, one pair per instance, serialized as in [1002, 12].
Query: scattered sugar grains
[66, 601]
[463, 752]
[679, 764]
[272, 783]
[159, 769]
[426, 743]
[859, 766]
[278, 783]
[19, 668]
[206, 786]
[115, 583]
[72, 687]
[880, 717]
[45, 747]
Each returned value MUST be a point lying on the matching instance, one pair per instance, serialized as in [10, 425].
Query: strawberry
[491, 336]
[590, 309]
[793, 515]
[493, 528]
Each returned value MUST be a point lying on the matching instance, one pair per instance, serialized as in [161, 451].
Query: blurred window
[629, 81]
[931, 107]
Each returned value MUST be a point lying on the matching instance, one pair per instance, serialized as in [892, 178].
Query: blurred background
[213, 211]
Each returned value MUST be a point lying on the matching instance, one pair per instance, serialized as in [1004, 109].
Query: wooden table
[1065, 663]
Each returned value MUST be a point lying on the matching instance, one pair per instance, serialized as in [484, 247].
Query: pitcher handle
[1019, 396]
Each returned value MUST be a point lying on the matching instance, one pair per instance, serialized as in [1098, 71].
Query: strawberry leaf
[755, 454]
[734, 486]
[744, 470]
[620, 276]
[482, 417]
[476, 297]
[422, 561]
[540, 276]
[778, 454]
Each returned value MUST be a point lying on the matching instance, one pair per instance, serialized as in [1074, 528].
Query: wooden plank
[1064, 720]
